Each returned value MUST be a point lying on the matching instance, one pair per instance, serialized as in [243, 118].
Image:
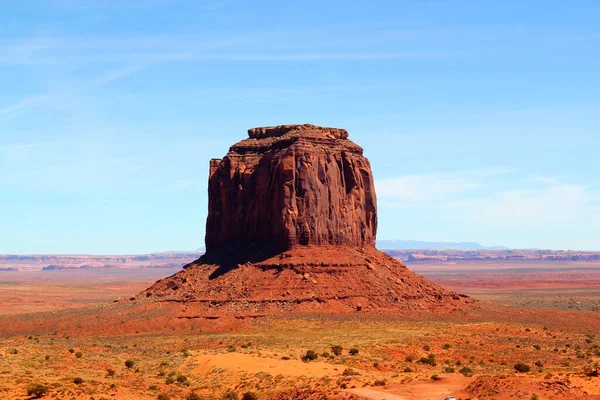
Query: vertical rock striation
[288, 186]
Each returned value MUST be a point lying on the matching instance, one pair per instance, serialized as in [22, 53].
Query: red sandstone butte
[291, 185]
[292, 220]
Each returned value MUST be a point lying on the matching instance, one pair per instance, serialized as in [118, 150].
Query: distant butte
[292, 221]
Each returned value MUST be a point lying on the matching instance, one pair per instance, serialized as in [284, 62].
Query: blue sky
[481, 118]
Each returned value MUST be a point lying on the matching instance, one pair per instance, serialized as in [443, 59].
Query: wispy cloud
[433, 187]
[22, 105]
[319, 43]
[35, 101]
[414, 188]
[515, 201]
[560, 203]
[547, 180]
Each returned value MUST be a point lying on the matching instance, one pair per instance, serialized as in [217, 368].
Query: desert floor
[553, 328]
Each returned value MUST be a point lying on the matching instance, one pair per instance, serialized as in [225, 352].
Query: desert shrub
[534, 397]
[466, 371]
[446, 346]
[163, 396]
[249, 396]
[592, 371]
[325, 355]
[435, 377]
[337, 350]
[193, 396]
[380, 382]
[426, 347]
[310, 355]
[285, 358]
[230, 396]
[522, 367]
[79, 354]
[71, 351]
[408, 370]
[350, 372]
[375, 365]
[78, 381]
[429, 360]
[37, 390]
[185, 353]
[163, 364]
[537, 347]
[110, 372]
[129, 363]
[170, 380]
[449, 370]
[353, 351]
[409, 358]
[539, 364]
[231, 349]
[182, 379]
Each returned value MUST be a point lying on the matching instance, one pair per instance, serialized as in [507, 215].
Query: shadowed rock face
[291, 185]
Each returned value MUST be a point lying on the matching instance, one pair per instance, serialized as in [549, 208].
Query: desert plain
[534, 334]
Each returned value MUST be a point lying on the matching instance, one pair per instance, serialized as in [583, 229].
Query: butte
[292, 222]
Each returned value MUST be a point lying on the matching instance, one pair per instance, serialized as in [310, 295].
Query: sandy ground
[263, 356]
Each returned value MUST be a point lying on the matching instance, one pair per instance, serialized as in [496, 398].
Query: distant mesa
[419, 245]
[292, 222]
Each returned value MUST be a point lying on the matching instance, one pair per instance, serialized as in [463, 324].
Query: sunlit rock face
[288, 186]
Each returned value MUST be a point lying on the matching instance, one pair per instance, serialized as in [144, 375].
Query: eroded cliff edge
[291, 185]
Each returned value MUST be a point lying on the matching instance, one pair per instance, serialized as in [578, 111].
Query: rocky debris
[291, 185]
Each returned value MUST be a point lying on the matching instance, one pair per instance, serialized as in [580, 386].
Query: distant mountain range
[418, 245]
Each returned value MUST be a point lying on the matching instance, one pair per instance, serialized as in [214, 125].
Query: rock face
[291, 227]
[291, 185]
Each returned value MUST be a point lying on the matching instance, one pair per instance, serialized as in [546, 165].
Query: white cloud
[547, 180]
[473, 196]
[431, 187]
[413, 188]
[561, 204]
